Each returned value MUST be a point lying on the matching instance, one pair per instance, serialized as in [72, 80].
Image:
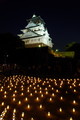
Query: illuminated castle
[35, 34]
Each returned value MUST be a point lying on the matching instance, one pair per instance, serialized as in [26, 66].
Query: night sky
[62, 18]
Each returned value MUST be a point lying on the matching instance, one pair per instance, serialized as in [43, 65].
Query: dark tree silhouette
[73, 47]
[8, 45]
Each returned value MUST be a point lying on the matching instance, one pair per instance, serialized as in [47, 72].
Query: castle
[35, 34]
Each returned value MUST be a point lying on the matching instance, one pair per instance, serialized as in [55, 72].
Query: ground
[32, 98]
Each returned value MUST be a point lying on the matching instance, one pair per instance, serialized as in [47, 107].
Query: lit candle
[41, 95]
[14, 99]
[60, 109]
[40, 106]
[22, 89]
[22, 114]
[7, 106]
[5, 92]
[10, 89]
[26, 99]
[14, 95]
[14, 110]
[5, 96]
[73, 110]
[37, 99]
[2, 103]
[46, 92]
[22, 94]
[53, 94]
[74, 90]
[15, 91]
[52, 88]
[49, 85]
[28, 106]
[70, 86]
[71, 118]
[31, 94]
[40, 88]
[57, 91]
[32, 118]
[40, 91]
[19, 102]
[27, 90]
[50, 99]
[74, 102]
[49, 114]
[35, 91]
[61, 98]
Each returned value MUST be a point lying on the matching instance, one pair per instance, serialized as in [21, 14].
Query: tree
[8, 44]
[73, 47]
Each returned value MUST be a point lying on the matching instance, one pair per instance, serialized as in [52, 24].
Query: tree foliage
[8, 45]
[73, 46]
[9, 42]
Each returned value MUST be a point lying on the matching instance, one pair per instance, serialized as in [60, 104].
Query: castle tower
[35, 34]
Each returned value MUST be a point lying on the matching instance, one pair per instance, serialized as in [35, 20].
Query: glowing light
[19, 102]
[7, 106]
[73, 110]
[71, 118]
[14, 95]
[74, 90]
[52, 88]
[5, 96]
[39, 46]
[53, 94]
[15, 91]
[35, 91]
[50, 99]
[2, 103]
[22, 114]
[31, 94]
[49, 114]
[14, 110]
[57, 90]
[46, 92]
[42, 95]
[28, 106]
[40, 106]
[5, 92]
[60, 109]
[26, 99]
[32, 118]
[37, 99]
[70, 86]
[22, 94]
[40, 91]
[14, 99]
[61, 98]
[74, 102]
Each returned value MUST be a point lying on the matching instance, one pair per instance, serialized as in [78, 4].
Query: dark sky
[62, 18]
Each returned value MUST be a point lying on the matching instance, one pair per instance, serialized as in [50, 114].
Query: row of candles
[19, 89]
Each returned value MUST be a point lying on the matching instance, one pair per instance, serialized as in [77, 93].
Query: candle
[73, 110]
[49, 114]
[22, 114]
[19, 102]
[28, 106]
[74, 102]
[40, 106]
[71, 118]
[60, 109]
